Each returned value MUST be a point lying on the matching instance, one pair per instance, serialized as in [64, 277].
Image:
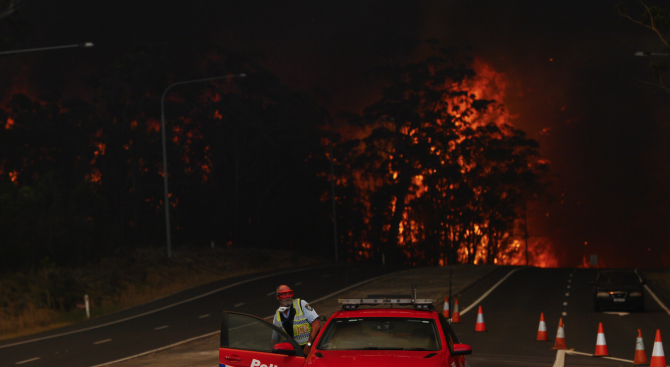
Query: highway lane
[176, 318]
[512, 313]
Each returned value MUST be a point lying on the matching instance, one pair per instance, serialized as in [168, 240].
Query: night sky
[573, 84]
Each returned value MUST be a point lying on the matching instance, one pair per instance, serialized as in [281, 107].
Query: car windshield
[618, 278]
[380, 333]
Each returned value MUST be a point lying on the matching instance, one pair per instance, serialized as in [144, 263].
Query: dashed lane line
[164, 307]
[28, 360]
[567, 294]
[239, 304]
[162, 327]
[297, 283]
[489, 291]
[103, 341]
[266, 317]
[203, 316]
[270, 294]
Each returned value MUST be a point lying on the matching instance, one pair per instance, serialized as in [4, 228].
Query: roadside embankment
[51, 296]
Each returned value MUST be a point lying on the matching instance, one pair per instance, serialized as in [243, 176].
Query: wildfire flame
[488, 84]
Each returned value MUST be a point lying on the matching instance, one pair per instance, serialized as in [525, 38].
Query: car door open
[247, 341]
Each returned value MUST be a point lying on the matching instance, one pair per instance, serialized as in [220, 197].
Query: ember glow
[477, 242]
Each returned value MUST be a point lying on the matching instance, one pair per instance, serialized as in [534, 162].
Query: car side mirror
[284, 348]
[461, 350]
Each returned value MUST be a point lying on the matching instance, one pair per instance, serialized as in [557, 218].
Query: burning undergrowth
[437, 172]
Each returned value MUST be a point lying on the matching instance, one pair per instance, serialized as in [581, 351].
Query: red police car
[389, 336]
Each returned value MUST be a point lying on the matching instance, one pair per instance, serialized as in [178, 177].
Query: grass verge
[50, 296]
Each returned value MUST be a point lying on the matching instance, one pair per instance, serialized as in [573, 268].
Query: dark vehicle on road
[389, 336]
[618, 290]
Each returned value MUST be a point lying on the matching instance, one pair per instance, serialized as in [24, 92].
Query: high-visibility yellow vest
[301, 327]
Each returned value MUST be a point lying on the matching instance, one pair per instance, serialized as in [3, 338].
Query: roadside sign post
[88, 309]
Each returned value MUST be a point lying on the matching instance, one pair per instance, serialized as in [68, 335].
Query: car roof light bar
[353, 303]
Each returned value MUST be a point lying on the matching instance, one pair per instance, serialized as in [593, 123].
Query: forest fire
[419, 238]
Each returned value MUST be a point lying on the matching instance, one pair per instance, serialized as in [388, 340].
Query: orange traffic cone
[640, 354]
[456, 318]
[657, 356]
[542, 335]
[480, 321]
[560, 337]
[445, 310]
[601, 345]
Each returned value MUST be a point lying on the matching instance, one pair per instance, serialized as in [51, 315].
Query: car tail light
[635, 294]
[603, 294]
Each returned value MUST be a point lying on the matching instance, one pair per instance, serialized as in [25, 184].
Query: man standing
[297, 318]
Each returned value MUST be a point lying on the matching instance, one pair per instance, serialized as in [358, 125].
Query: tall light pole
[166, 202]
[82, 45]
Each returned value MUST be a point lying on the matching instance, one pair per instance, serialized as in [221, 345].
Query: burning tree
[440, 172]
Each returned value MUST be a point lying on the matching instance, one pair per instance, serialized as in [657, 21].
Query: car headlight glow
[603, 294]
[635, 294]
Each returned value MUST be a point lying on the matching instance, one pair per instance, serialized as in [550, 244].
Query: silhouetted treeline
[82, 178]
[422, 173]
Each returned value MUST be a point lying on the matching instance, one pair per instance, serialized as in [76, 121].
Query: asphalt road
[172, 319]
[512, 315]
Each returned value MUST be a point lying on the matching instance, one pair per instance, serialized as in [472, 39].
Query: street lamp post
[166, 202]
[83, 45]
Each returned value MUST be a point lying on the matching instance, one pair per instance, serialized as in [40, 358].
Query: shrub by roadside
[48, 296]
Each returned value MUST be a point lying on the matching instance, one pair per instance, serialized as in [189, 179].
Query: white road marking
[219, 331]
[560, 358]
[591, 355]
[617, 313]
[568, 287]
[28, 360]
[239, 304]
[653, 294]
[298, 283]
[168, 306]
[203, 316]
[103, 341]
[571, 274]
[569, 280]
[162, 327]
[567, 294]
[158, 349]
[489, 291]
[271, 294]
[565, 303]
[564, 313]
[657, 300]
